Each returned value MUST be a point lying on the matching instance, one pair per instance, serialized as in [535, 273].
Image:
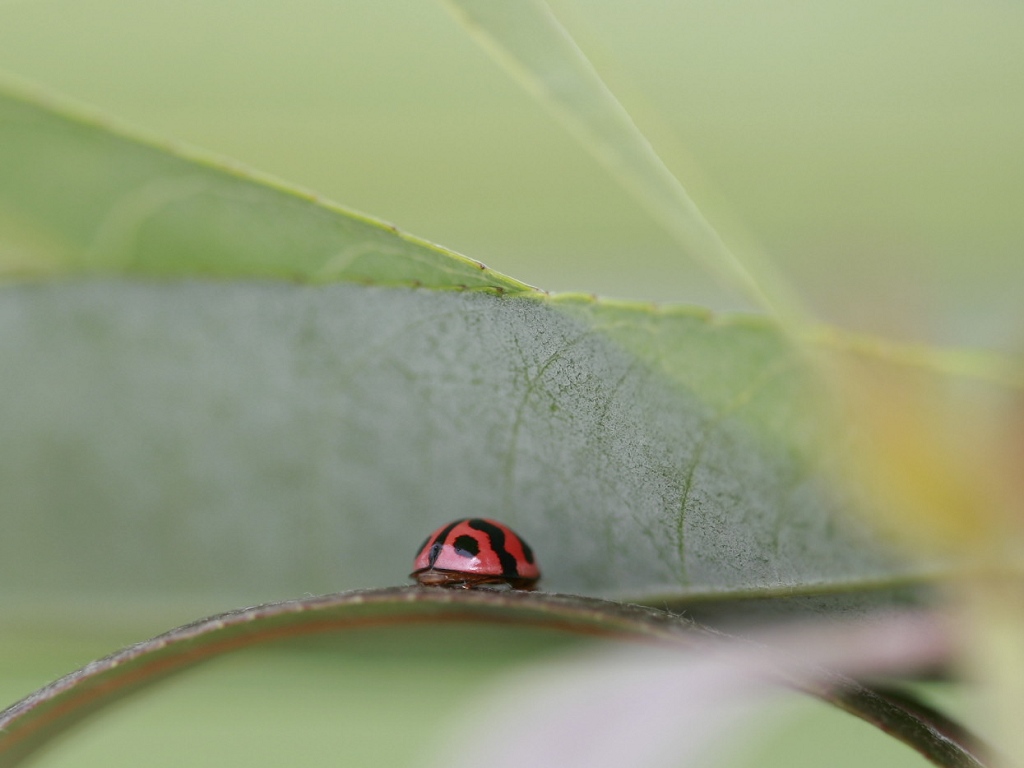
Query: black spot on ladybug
[527, 552]
[466, 546]
[496, 537]
[435, 552]
[438, 545]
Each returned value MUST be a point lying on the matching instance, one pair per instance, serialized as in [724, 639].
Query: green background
[873, 150]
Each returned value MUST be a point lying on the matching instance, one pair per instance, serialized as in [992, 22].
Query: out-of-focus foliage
[872, 150]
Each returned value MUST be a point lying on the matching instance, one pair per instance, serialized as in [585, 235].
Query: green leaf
[261, 439]
[275, 439]
[80, 194]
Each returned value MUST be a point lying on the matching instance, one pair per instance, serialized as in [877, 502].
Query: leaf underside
[260, 438]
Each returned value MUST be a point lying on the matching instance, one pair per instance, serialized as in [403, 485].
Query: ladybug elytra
[474, 551]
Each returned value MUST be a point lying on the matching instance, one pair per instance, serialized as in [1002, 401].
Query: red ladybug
[474, 551]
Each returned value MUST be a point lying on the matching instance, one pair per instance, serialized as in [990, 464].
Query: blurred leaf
[528, 40]
[654, 707]
[713, 670]
[79, 194]
[45, 714]
[259, 439]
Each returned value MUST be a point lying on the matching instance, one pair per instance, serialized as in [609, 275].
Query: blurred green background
[873, 150]
[379, 697]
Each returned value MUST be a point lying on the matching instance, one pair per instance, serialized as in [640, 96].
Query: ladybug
[468, 553]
